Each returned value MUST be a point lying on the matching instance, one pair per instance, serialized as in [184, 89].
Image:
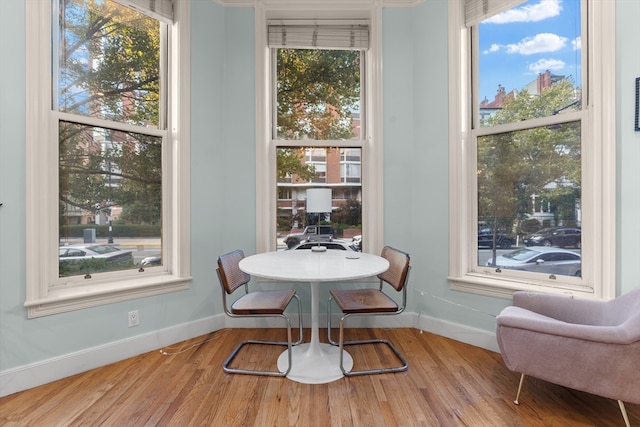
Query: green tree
[290, 162]
[316, 92]
[542, 160]
[348, 213]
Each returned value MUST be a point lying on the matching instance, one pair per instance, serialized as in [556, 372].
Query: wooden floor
[448, 384]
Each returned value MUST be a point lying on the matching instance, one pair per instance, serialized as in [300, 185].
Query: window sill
[504, 287]
[63, 299]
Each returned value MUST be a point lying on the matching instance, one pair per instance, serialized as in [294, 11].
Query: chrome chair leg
[341, 343]
[289, 343]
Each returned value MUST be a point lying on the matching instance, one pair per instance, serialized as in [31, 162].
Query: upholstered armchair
[591, 346]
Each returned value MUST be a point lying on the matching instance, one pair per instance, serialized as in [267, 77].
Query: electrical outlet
[134, 318]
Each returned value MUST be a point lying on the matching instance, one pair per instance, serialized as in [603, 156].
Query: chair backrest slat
[396, 275]
[231, 277]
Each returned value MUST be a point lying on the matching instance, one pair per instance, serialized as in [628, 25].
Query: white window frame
[598, 167]
[44, 293]
[372, 177]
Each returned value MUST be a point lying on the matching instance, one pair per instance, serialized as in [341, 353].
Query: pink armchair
[591, 346]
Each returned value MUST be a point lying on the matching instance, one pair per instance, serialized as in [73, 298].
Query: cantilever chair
[254, 304]
[373, 301]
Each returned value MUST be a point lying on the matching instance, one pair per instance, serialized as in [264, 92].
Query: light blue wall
[223, 160]
[628, 161]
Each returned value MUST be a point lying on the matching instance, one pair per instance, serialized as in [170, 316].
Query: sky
[535, 36]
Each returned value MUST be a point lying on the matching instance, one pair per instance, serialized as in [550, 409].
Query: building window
[350, 165]
[110, 177]
[318, 121]
[535, 148]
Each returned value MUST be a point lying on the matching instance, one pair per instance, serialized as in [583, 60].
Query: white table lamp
[318, 201]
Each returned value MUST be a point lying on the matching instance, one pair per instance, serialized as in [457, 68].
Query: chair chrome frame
[243, 280]
[341, 343]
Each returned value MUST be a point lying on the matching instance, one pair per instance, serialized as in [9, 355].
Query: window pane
[110, 199]
[318, 94]
[298, 171]
[528, 180]
[530, 62]
[108, 62]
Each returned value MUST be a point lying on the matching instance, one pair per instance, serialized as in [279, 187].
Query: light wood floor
[448, 384]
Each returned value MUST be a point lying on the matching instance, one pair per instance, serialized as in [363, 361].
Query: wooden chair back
[231, 277]
[396, 275]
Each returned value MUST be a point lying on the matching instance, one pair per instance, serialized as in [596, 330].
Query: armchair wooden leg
[624, 413]
[519, 388]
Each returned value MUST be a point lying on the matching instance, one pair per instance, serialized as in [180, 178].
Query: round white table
[314, 362]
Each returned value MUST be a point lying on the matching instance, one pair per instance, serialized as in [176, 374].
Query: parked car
[334, 244]
[151, 261]
[82, 252]
[555, 236]
[357, 241]
[325, 233]
[485, 239]
[541, 259]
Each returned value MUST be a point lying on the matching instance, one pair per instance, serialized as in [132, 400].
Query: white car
[334, 244]
[540, 259]
[82, 252]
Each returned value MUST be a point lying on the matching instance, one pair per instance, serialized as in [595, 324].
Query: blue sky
[533, 37]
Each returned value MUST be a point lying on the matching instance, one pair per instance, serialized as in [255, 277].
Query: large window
[106, 229]
[534, 148]
[318, 100]
[318, 130]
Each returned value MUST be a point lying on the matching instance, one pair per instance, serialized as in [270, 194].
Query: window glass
[317, 109]
[297, 173]
[110, 177]
[108, 62]
[528, 131]
[318, 94]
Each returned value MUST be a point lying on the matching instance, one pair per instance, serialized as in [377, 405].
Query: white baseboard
[46, 371]
[33, 375]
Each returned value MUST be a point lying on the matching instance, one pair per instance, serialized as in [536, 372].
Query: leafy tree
[316, 92]
[349, 213]
[290, 162]
[541, 160]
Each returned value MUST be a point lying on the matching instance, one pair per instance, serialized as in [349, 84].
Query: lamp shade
[319, 200]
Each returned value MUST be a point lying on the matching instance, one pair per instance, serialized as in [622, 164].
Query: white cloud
[540, 43]
[494, 48]
[534, 13]
[543, 65]
[577, 43]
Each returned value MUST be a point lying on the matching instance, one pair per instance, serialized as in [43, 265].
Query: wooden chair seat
[363, 301]
[263, 302]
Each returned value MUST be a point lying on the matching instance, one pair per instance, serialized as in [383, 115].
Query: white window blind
[159, 9]
[476, 11]
[301, 35]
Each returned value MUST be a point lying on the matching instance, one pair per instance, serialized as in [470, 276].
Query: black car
[555, 236]
[485, 239]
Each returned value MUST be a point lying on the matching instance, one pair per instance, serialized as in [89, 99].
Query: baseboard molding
[33, 375]
[46, 371]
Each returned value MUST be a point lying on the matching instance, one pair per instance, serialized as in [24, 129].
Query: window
[317, 129]
[103, 181]
[537, 149]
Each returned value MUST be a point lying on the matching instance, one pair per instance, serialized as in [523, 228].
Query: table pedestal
[315, 362]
